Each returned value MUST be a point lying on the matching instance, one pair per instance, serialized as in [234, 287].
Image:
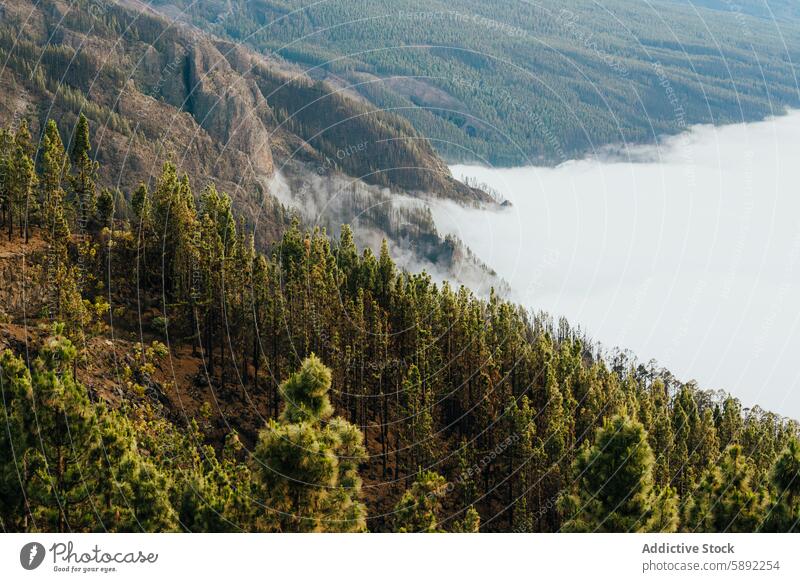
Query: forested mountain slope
[515, 82]
[781, 10]
[183, 381]
[154, 90]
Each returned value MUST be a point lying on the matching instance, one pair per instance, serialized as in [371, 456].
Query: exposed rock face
[227, 105]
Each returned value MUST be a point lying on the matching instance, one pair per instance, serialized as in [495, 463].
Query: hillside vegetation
[162, 374]
[153, 90]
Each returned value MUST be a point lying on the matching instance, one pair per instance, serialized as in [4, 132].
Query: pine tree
[81, 144]
[213, 495]
[784, 514]
[347, 259]
[660, 433]
[104, 212]
[419, 509]
[84, 177]
[685, 428]
[78, 466]
[60, 491]
[386, 275]
[6, 161]
[615, 490]
[130, 493]
[525, 457]
[725, 500]
[21, 182]
[418, 421]
[54, 169]
[15, 441]
[730, 423]
[140, 204]
[470, 524]
[308, 471]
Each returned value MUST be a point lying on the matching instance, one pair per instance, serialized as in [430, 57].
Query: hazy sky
[685, 252]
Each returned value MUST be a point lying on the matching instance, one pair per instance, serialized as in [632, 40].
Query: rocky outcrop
[227, 105]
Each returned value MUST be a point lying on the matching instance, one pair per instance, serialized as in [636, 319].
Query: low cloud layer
[687, 252]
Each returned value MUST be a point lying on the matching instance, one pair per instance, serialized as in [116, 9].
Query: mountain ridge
[499, 83]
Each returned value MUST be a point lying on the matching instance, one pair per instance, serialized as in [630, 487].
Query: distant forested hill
[515, 82]
[768, 9]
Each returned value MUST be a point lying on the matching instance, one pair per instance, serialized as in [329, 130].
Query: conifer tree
[104, 212]
[130, 493]
[419, 509]
[685, 428]
[725, 500]
[308, 470]
[730, 423]
[347, 258]
[660, 433]
[21, 182]
[78, 467]
[84, 177]
[525, 455]
[784, 514]
[81, 143]
[213, 494]
[615, 490]
[418, 421]
[385, 276]
[470, 524]
[15, 440]
[140, 205]
[6, 161]
[54, 169]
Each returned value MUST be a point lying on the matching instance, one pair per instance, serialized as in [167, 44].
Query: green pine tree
[419, 508]
[306, 462]
[615, 491]
[725, 499]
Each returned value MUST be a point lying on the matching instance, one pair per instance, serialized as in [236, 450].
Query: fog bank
[686, 252]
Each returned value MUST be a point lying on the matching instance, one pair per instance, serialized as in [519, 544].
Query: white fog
[685, 252]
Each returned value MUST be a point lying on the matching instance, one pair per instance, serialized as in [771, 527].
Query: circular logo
[31, 555]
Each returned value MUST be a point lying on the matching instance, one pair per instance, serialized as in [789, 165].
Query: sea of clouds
[687, 251]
